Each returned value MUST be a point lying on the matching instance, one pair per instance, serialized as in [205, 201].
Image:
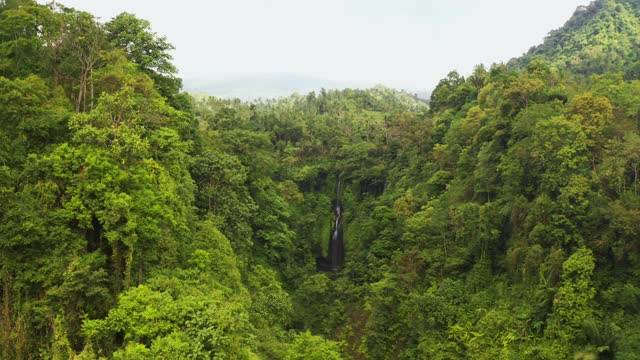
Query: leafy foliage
[500, 222]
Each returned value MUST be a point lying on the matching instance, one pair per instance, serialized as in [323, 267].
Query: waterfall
[335, 257]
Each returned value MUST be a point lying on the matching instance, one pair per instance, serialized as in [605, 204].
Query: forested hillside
[603, 36]
[502, 221]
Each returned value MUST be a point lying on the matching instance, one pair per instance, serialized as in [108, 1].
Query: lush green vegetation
[603, 36]
[500, 222]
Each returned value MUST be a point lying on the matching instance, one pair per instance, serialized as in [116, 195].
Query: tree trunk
[91, 103]
[117, 266]
[140, 271]
[635, 179]
[83, 87]
[127, 268]
[5, 332]
[83, 79]
[5, 295]
[56, 77]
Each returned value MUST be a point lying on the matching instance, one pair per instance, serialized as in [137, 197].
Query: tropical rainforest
[499, 221]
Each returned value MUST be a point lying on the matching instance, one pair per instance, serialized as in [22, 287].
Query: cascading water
[335, 257]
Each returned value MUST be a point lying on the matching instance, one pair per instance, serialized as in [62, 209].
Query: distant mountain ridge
[272, 86]
[264, 86]
[602, 36]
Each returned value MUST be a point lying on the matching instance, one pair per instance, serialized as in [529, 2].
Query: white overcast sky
[407, 44]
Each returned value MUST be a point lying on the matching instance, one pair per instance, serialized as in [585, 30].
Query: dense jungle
[498, 220]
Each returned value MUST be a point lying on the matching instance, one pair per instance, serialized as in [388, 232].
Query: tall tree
[145, 48]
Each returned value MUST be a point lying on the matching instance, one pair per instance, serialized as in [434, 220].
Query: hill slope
[603, 36]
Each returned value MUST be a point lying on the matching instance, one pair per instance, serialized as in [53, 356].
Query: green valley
[499, 220]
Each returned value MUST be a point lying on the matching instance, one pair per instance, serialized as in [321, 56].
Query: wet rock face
[335, 257]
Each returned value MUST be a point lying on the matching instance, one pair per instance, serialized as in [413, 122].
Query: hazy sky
[407, 44]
